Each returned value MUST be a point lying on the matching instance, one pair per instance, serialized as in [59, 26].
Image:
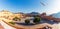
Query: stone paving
[54, 25]
[1, 27]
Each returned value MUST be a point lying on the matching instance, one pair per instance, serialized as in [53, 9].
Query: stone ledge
[15, 26]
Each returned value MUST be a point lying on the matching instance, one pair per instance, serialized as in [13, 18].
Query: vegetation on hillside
[16, 19]
[37, 20]
[27, 21]
[12, 23]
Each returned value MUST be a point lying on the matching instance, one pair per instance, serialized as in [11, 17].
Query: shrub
[12, 23]
[27, 21]
[16, 19]
[37, 20]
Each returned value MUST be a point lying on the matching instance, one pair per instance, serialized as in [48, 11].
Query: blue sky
[27, 6]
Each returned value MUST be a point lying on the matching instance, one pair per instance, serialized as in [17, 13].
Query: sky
[27, 6]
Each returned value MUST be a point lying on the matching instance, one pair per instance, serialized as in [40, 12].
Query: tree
[16, 19]
[36, 20]
[27, 21]
[12, 23]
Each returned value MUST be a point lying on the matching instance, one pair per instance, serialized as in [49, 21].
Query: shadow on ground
[30, 24]
[48, 21]
[42, 21]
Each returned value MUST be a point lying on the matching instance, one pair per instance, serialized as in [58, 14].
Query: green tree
[16, 19]
[27, 21]
[37, 20]
[12, 23]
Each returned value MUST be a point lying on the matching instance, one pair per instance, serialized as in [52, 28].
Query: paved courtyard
[1, 27]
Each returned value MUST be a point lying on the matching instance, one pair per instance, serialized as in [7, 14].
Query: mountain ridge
[56, 15]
